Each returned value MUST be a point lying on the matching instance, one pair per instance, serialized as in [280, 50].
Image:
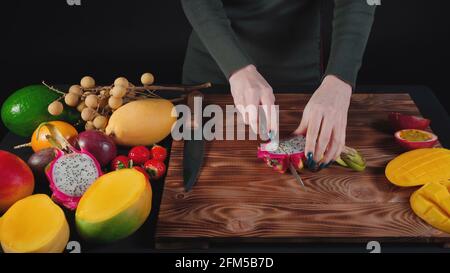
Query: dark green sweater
[280, 37]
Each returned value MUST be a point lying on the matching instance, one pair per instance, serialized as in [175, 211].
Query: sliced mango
[419, 167]
[34, 225]
[432, 204]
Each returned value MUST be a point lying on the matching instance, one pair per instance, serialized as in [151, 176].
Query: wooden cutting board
[238, 198]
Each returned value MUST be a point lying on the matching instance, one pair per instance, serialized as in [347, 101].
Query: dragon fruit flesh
[288, 151]
[71, 172]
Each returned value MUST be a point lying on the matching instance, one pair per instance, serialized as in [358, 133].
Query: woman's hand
[324, 122]
[249, 88]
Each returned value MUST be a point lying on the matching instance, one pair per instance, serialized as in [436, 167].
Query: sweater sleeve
[211, 24]
[352, 23]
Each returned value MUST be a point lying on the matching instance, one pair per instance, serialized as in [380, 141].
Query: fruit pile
[148, 161]
[111, 194]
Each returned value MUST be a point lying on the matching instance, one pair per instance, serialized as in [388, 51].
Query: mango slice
[432, 204]
[34, 225]
[419, 167]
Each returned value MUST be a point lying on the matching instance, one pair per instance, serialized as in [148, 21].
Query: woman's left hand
[324, 122]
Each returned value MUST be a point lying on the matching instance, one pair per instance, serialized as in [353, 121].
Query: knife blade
[194, 148]
[297, 176]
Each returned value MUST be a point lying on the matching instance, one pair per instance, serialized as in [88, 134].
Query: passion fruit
[401, 121]
[411, 139]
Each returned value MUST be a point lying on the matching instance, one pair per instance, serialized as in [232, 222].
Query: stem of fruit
[54, 89]
[22, 146]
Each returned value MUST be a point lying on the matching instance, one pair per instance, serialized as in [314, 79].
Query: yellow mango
[419, 167]
[34, 225]
[432, 204]
[142, 122]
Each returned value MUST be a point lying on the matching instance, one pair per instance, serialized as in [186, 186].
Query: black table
[143, 239]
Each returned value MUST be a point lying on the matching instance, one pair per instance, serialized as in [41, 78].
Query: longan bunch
[96, 104]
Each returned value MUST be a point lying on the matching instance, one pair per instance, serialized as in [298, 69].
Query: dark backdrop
[50, 40]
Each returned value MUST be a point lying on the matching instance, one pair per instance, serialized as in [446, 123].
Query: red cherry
[120, 162]
[155, 168]
[139, 155]
[158, 153]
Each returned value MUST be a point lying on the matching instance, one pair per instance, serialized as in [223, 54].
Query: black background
[50, 40]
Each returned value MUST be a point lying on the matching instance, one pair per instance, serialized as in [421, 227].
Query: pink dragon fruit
[71, 172]
[288, 151]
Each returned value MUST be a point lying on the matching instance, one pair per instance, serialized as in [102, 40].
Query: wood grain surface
[237, 197]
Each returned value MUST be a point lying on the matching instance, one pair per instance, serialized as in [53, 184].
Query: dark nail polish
[322, 166]
[309, 158]
[328, 164]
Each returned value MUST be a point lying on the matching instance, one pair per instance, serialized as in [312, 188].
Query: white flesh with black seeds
[74, 173]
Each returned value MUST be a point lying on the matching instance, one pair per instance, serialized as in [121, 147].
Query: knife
[297, 176]
[194, 148]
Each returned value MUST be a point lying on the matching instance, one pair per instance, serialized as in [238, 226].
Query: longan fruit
[114, 102]
[118, 91]
[100, 122]
[81, 106]
[91, 101]
[89, 126]
[122, 81]
[88, 114]
[71, 99]
[87, 82]
[147, 79]
[76, 89]
[55, 108]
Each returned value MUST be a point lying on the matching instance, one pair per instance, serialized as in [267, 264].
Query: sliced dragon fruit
[71, 172]
[280, 155]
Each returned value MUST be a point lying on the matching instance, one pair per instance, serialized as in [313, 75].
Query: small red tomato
[159, 153]
[120, 162]
[155, 168]
[140, 169]
[139, 155]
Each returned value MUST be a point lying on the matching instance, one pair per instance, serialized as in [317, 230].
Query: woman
[249, 43]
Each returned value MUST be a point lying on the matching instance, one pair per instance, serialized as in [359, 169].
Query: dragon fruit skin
[61, 160]
[292, 152]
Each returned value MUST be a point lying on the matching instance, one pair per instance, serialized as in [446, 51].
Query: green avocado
[25, 109]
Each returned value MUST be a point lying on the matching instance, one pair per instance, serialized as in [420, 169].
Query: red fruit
[400, 121]
[140, 169]
[155, 168]
[158, 153]
[16, 180]
[120, 162]
[139, 155]
[411, 139]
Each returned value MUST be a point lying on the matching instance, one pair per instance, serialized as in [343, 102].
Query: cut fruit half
[114, 206]
[34, 225]
[401, 121]
[411, 139]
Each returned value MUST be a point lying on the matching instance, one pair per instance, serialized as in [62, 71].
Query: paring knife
[194, 149]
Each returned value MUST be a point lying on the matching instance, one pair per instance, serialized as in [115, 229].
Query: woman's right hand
[249, 88]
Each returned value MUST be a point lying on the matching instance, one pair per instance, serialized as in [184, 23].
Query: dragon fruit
[279, 155]
[71, 172]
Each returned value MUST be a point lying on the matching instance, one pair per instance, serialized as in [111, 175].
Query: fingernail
[322, 166]
[328, 164]
[309, 158]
